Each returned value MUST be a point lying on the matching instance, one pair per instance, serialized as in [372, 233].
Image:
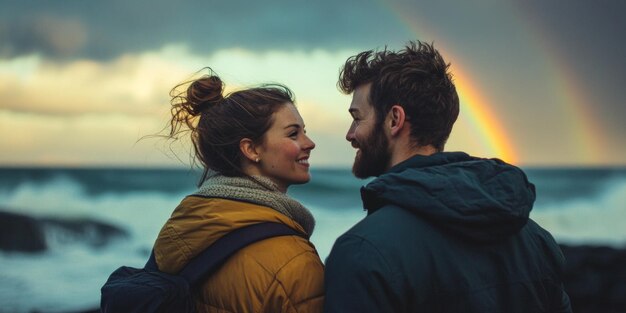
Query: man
[445, 232]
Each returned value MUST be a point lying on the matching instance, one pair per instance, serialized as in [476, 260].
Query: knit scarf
[258, 190]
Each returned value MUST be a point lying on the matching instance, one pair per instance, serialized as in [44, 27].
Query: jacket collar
[420, 161]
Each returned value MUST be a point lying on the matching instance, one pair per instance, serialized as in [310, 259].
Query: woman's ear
[249, 150]
[396, 119]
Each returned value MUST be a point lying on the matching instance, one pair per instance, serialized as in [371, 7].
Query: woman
[252, 146]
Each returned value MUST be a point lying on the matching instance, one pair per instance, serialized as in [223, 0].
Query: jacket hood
[479, 199]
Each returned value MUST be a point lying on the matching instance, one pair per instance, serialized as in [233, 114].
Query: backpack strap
[215, 255]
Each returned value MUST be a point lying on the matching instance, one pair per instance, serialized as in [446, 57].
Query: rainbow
[474, 104]
[587, 134]
[569, 92]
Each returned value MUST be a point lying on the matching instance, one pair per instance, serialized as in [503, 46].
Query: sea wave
[592, 220]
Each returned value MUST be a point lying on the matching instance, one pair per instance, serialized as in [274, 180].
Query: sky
[86, 83]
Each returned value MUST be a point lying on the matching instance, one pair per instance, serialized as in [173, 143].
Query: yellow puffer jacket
[279, 274]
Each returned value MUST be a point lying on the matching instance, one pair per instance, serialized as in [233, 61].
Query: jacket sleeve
[298, 287]
[359, 279]
[563, 304]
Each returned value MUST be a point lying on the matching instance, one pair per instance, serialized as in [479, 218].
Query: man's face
[372, 155]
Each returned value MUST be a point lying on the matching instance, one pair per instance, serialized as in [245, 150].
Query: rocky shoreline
[595, 278]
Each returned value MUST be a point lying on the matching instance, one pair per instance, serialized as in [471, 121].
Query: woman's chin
[301, 181]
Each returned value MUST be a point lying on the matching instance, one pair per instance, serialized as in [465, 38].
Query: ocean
[95, 220]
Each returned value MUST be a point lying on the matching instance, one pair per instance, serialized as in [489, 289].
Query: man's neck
[404, 154]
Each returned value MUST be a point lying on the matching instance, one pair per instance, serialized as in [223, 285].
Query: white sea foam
[598, 220]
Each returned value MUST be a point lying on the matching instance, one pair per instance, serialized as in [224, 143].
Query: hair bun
[204, 92]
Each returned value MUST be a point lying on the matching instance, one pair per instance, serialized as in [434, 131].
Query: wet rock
[21, 233]
[595, 278]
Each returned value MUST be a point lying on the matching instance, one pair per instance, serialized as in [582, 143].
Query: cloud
[44, 33]
[140, 83]
[124, 85]
[107, 29]
[65, 60]
[103, 139]
[89, 112]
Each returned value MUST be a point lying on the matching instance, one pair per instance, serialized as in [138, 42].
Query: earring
[257, 160]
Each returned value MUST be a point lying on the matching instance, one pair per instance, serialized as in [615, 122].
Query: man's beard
[374, 155]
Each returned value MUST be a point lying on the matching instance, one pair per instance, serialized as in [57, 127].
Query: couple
[444, 232]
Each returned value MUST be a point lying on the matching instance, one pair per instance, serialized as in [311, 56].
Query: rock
[21, 233]
[595, 278]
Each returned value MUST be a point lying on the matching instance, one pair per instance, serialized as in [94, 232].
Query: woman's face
[284, 152]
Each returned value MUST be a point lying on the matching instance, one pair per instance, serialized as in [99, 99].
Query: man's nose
[350, 133]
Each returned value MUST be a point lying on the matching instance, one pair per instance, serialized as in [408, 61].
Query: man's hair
[415, 78]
